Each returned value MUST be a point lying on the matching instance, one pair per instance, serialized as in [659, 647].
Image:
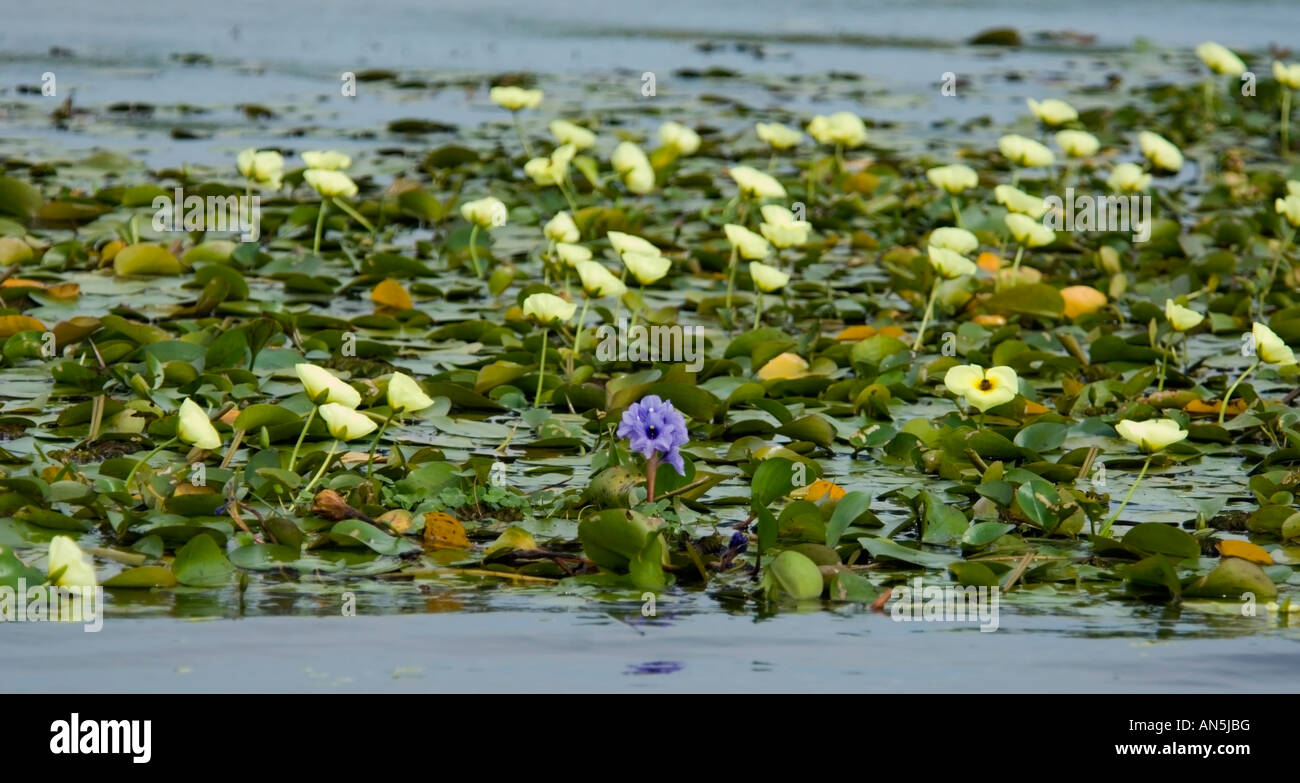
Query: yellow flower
[778, 135]
[646, 267]
[1292, 188]
[1017, 200]
[405, 395]
[627, 243]
[485, 212]
[767, 278]
[1029, 232]
[552, 170]
[572, 254]
[633, 168]
[949, 263]
[547, 308]
[575, 135]
[1220, 59]
[1289, 208]
[515, 98]
[755, 183]
[958, 240]
[1053, 112]
[1153, 435]
[842, 127]
[323, 386]
[77, 569]
[327, 161]
[679, 137]
[196, 428]
[264, 168]
[1160, 151]
[1181, 318]
[640, 180]
[598, 281]
[1077, 143]
[1082, 300]
[781, 229]
[561, 228]
[953, 178]
[1270, 348]
[1024, 151]
[1288, 75]
[747, 243]
[1128, 178]
[982, 389]
[330, 184]
[345, 423]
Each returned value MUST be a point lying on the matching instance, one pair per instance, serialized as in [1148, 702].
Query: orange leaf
[854, 333]
[65, 290]
[821, 488]
[1197, 407]
[1246, 551]
[391, 295]
[1034, 409]
[11, 325]
[893, 331]
[15, 282]
[1082, 300]
[443, 531]
[783, 367]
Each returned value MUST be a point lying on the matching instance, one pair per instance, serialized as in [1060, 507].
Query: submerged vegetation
[906, 365]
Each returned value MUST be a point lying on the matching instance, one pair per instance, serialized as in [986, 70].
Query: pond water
[885, 60]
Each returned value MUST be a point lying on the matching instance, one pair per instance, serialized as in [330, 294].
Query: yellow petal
[784, 367]
[391, 294]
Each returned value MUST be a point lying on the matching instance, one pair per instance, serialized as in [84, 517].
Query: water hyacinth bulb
[983, 389]
[1016, 200]
[756, 184]
[1053, 112]
[578, 137]
[76, 566]
[681, 139]
[1077, 143]
[1128, 178]
[1024, 151]
[657, 431]
[778, 136]
[262, 168]
[958, 240]
[328, 160]
[195, 428]
[1160, 151]
[561, 228]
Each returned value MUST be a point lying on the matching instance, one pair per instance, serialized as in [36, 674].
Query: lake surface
[438, 636]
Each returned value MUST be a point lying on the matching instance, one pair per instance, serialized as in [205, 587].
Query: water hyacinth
[657, 431]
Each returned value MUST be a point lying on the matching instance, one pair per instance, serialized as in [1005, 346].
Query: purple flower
[654, 426]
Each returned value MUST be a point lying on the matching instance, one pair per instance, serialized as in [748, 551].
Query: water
[439, 635]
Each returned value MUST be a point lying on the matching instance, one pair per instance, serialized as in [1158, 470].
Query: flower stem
[573, 207]
[320, 224]
[147, 457]
[370, 464]
[1105, 528]
[925, 319]
[651, 470]
[758, 308]
[473, 251]
[577, 336]
[357, 216]
[1228, 397]
[1286, 122]
[1287, 235]
[293, 458]
[956, 211]
[1015, 267]
[333, 447]
[731, 282]
[541, 371]
[519, 130]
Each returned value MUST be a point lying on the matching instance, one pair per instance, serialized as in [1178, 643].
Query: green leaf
[1152, 538]
[200, 563]
[883, 547]
[795, 575]
[850, 507]
[145, 576]
[353, 532]
[774, 478]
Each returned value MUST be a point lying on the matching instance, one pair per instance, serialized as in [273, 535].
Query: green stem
[1272, 272]
[370, 464]
[577, 336]
[1015, 268]
[541, 371]
[357, 216]
[1208, 94]
[1228, 397]
[473, 251]
[758, 308]
[637, 312]
[573, 207]
[731, 282]
[320, 224]
[1286, 122]
[519, 130]
[1105, 529]
[147, 457]
[925, 319]
[956, 211]
[333, 447]
[293, 458]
